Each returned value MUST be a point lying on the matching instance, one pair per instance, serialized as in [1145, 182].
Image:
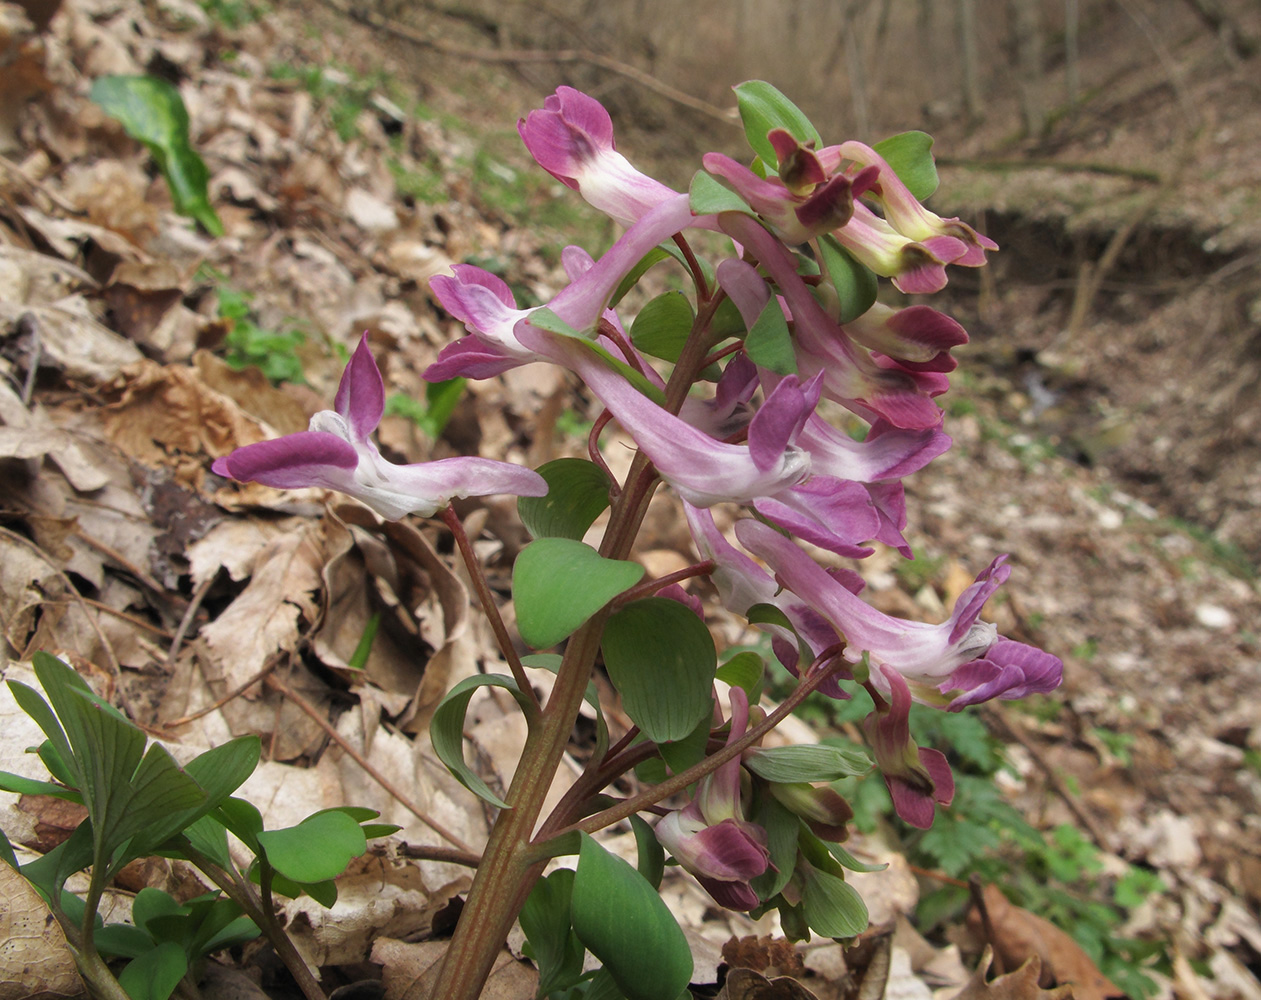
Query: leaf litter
[225, 608]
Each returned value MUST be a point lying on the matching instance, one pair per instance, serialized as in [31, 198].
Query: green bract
[763, 108]
[910, 156]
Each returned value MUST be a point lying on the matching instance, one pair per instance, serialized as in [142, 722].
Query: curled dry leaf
[1020, 935]
[35, 961]
[1019, 985]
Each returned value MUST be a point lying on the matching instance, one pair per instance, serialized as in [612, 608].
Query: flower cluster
[809, 234]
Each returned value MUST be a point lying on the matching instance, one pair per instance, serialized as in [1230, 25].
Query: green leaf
[855, 283]
[806, 763]
[209, 837]
[763, 108]
[744, 670]
[243, 819]
[164, 799]
[769, 343]
[441, 398]
[848, 860]
[152, 111]
[621, 919]
[122, 941]
[545, 920]
[911, 157]
[19, 785]
[782, 828]
[832, 906]
[679, 755]
[155, 974]
[318, 848]
[6, 853]
[239, 931]
[649, 260]
[446, 730]
[650, 855]
[768, 614]
[577, 493]
[558, 583]
[363, 648]
[151, 903]
[661, 658]
[709, 196]
[663, 326]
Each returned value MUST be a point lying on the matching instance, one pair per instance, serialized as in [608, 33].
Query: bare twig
[976, 889]
[318, 718]
[236, 692]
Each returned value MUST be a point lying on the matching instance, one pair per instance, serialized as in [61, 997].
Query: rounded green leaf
[446, 731]
[318, 848]
[155, 974]
[769, 343]
[806, 763]
[621, 919]
[744, 670]
[663, 326]
[661, 658]
[577, 493]
[558, 583]
[763, 108]
[855, 283]
[910, 154]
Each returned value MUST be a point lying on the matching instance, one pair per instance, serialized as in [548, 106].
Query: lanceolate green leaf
[855, 283]
[744, 670]
[910, 155]
[782, 828]
[31, 786]
[769, 343]
[318, 848]
[651, 856]
[806, 763]
[163, 797]
[763, 108]
[152, 111]
[577, 493]
[621, 919]
[446, 731]
[832, 906]
[558, 583]
[661, 658]
[653, 257]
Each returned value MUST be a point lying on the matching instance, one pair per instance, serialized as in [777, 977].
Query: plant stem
[93, 969]
[509, 870]
[491, 609]
[649, 587]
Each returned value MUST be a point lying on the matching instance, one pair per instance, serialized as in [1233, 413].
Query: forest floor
[1106, 420]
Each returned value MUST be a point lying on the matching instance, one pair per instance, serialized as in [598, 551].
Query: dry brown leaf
[266, 617]
[410, 970]
[71, 340]
[35, 961]
[1020, 935]
[1019, 985]
[250, 390]
[745, 984]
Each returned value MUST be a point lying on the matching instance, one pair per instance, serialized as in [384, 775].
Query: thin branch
[649, 587]
[236, 692]
[318, 717]
[189, 614]
[428, 852]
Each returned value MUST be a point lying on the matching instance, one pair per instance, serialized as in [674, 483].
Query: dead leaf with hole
[35, 961]
[1019, 985]
[1020, 935]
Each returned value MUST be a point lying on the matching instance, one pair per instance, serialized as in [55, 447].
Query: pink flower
[572, 139]
[337, 453]
[710, 836]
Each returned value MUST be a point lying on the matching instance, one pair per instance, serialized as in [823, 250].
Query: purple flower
[337, 453]
[917, 267]
[959, 662]
[710, 836]
[903, 211]
[571, 137]
[803, 201]
[916, 778]
[501, 335]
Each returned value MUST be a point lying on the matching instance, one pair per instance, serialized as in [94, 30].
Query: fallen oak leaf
[1019, 985]
[745, 984]
[1018, 935]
